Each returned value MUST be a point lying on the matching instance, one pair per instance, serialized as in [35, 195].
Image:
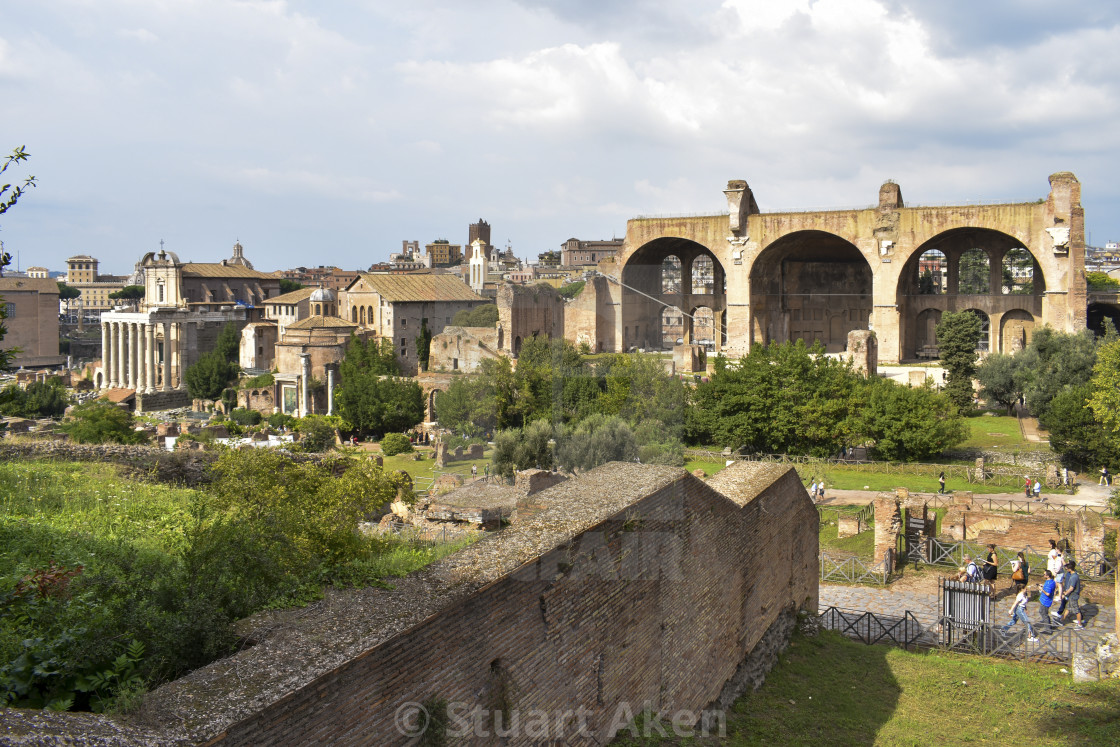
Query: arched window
[671, 275]
[974, 273]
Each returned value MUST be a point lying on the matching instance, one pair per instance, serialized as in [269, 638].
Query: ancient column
[888, 524]
[330, 391]
[133, 355]
[118, 354]
[180, 336]
[305, 374]
[106, 354]
[165, 369]
[150, 353]
[995, 275]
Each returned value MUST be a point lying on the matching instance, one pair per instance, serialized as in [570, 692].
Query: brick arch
[643, 290]
[810, 285]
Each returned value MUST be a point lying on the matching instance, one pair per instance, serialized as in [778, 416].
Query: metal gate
[965, 613]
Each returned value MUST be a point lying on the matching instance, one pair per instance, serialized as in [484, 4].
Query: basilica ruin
[819, 275]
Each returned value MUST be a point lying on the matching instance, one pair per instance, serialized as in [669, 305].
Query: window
[10, 310]
[404, 322]
[403, 343]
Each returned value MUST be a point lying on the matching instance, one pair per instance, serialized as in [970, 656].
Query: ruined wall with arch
[817, 275]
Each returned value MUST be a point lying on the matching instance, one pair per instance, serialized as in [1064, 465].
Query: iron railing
[932, 551]
[988, 639]
[871, 628]
[854, 570]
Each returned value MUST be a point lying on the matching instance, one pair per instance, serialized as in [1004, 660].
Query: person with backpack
[1071, 593]
[1021, 571]
[1046, 600]
[972, 571]
[1019, 612]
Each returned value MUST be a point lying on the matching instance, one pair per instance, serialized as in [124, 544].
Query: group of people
[1059, 592]
[816, 490]
[1030, 487]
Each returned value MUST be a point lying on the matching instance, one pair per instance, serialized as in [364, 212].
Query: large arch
[810, 285]
[980, 266]
[1015, 330]
[650, 285]
[1099, 313]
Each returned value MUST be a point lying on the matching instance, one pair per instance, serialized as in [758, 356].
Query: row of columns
[132, 358]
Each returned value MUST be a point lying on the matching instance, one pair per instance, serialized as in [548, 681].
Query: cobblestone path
[885, 602]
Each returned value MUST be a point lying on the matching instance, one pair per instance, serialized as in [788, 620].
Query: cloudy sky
[328, 132]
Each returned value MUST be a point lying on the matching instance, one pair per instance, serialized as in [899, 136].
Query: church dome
[322, 295]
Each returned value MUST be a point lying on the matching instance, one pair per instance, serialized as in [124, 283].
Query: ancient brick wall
[462, 348]
[525, 311]
[635, 586]
[589, 317]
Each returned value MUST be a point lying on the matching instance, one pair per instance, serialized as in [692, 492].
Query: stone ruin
[633, 584]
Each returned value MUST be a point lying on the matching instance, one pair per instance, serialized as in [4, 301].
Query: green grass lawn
[828, 690]
[422, 472]
[861, 545]
[851, 477]
[990, 430]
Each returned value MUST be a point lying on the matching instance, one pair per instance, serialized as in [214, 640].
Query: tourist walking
[1026, 487]
[1046, 600]
[820, 490]
[1037, 490]
[1020, 571]
[1054, 560]
[1019, 612]
[941, 482]
[813, 490]
[1071, 593]
[1104, 477]
[991, 567]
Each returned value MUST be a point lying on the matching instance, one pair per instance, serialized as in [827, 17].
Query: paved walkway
[886, 602]
[1087, 495]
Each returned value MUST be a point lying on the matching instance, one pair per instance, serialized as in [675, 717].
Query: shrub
[317, 433]
[257, 381]
[243, 416]
[280, 420]
[100, 421]
[395, 443]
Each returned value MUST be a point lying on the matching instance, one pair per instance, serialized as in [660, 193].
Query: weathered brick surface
[634, 584]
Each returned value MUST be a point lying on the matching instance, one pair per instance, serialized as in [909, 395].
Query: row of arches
[816, 286]
[361, 315]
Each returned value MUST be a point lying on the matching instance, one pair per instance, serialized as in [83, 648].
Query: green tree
[67, 292]
[974, 274]
[1101, 281]
[779, 398]
[41, 399]
[100, 421]
[958, 334]
[228, 345]
[998, 382]
[317, 433]
[1053, 362]
[395, 443]
[480, 316]
[523, 448]
[597, 440]
[9, 196]
[1104, 399]
[925, 283]
[287, 286]
[1076, 433]
[128, 293]
[209, 376]
[369, 395]
[906, 424]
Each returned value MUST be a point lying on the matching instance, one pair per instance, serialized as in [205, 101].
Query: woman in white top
[1019, 612]
[1054, 559]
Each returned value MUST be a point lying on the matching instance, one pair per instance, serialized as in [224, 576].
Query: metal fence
[853, 570]
[1093, 566]
[989, 639]
[414, 534]
[870, 628]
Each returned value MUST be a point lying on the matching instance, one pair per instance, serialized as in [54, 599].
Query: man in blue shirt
[1046, 600]
[1071, 591]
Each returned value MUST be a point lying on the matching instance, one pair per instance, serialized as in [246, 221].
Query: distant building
[442, 253]
[549, 259]
[576, 253]
[32, 323]
[329, 277]
[82, 273]
[480, 232]
[399, 306]
[38, 272]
